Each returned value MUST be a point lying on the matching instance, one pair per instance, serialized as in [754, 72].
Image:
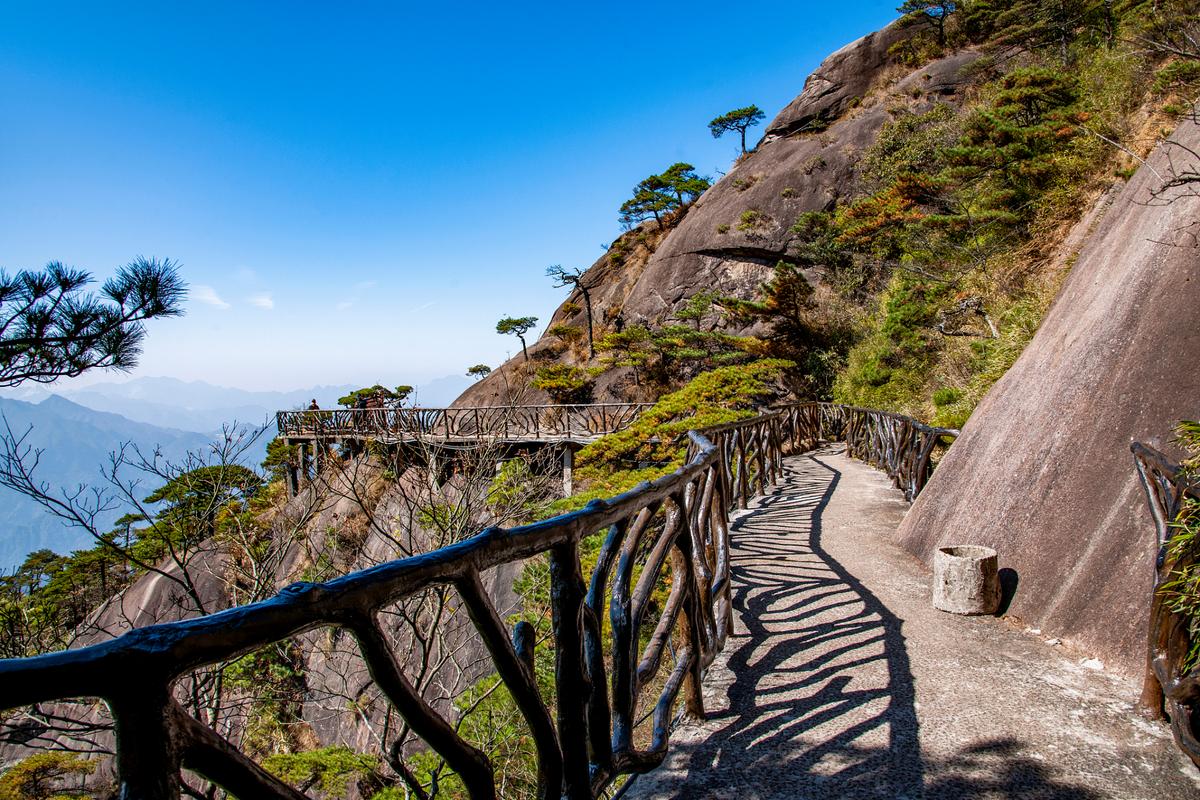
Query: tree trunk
[587, 304]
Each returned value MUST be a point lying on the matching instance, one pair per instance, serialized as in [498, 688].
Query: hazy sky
[358, 191]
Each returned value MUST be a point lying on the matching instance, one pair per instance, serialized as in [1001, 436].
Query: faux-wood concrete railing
[505, 422]
[1169, 686]
[899, 445]
[681, 519]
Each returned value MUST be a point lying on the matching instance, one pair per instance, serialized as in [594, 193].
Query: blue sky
[358, 191]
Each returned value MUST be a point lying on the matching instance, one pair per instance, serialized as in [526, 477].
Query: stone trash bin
[966, 579]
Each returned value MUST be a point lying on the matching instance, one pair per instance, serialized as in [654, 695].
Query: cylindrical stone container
[966, 579]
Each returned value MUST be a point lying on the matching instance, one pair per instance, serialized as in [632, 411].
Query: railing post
[1151, 701]
[566, 592]
[148, 757]
[692, 604]
[521, 682]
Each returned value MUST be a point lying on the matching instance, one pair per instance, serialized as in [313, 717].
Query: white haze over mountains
[205, 408]
[77, 429]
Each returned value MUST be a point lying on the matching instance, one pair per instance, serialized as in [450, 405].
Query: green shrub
[742, 184]
[565, 383]
[946, 396]
[752, 219]
[40, 777]
[1181, 590]
[567, 334]
[1178, 75]
[653, 445]
[329, 769]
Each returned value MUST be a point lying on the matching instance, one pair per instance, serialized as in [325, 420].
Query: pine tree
[740, 119]
[517, 326]
[575, 279]
[1036, 24]
[1008, 152]
[681, 178]
[651, 198]
[51, 328]
[933, 12]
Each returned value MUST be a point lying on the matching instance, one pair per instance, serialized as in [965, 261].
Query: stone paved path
[841, 681]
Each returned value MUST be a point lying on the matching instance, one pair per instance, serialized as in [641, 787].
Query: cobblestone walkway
[841, 681]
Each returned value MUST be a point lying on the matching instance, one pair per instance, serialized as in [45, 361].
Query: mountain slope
[1043, 471]
[807, 161]
[964, 267]
[76, 443]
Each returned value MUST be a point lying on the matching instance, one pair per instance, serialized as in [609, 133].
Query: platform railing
[674, 531]
[1170, 688]
[583, 421]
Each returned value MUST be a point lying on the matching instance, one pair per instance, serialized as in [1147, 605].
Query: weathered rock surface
[1043, 472]
[730, 239]
[844, 76]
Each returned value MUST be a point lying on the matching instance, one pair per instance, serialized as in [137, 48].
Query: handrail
[900, 446]
[1168, 686]
[510, 422]
[681, 519]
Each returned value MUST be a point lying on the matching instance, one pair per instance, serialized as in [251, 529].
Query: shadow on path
[820, 695]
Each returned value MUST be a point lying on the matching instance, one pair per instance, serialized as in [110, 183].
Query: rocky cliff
[731, 238]
[1043, 471]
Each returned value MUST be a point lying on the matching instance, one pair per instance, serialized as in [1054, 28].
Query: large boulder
[1042, 471]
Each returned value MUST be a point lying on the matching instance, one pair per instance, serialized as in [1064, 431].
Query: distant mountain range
[205, 408]
[75, 442]
[77, 429]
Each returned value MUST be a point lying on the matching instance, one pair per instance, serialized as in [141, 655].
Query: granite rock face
[1042, 472]
[730, 239]
[843, 76]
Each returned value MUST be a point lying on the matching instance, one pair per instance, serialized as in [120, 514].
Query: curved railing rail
[516, 422]
[1169, 686]
[899, 445]
[680, 520]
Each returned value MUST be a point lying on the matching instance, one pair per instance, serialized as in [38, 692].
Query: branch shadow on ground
[821, 703]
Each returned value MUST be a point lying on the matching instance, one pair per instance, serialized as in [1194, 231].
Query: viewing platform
[546, 423]
[508, 429]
